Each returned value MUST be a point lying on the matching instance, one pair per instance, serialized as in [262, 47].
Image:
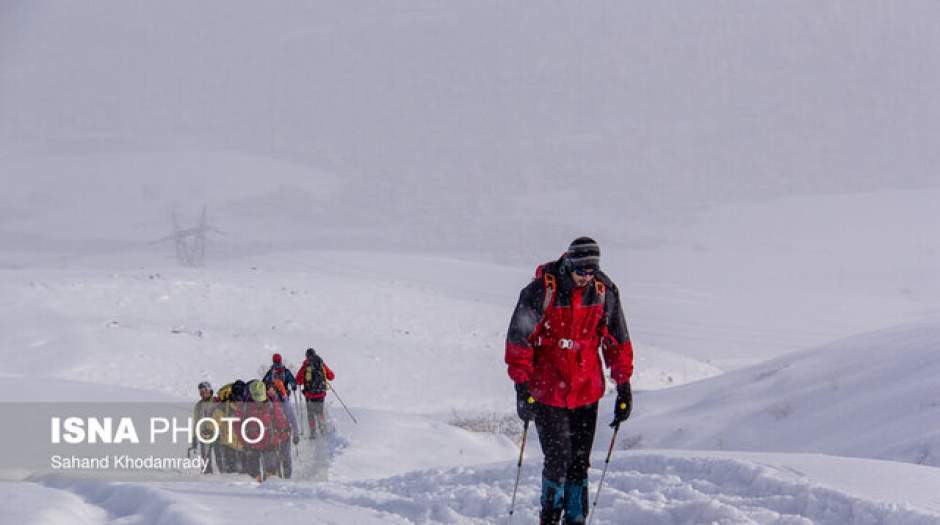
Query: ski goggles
[585, 272]
[205, 386]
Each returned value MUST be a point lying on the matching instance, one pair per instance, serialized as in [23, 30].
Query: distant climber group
[263, 450]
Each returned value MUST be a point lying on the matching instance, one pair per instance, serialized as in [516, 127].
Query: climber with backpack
[279, 372]
[204, 409]
[285, 427]
[315, 377]
[231, 405]
[567, 325]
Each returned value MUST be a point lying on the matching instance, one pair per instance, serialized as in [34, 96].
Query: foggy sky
[463, 115]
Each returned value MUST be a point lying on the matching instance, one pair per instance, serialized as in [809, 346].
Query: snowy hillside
[416, 350]
[417, 342]
[747, 284]
[400, 333]
[875, 395]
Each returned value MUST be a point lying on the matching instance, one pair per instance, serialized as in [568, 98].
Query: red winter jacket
[252, 430]
[555, 351]
[302, 378]
[281, 424]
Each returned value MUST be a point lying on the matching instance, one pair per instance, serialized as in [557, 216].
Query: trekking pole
[600, 485]
[303, 414]
[512, 506]
[330, 386]
[297, 412]
[205, 469]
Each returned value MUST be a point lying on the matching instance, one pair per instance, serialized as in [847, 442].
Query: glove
[525, 404]
[624, 404]
[295, 438]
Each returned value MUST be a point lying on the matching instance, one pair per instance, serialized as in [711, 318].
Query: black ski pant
[566, 436]
[231, 460]
[256, 460]
[284, 459]
[316, 417]
[207, 451]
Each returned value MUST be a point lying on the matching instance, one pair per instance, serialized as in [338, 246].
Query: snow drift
[873, 395]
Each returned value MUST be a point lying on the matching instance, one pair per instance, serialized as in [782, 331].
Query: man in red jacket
[313, 376]
[564, 316]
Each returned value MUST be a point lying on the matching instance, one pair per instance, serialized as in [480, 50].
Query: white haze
[487, 127]
[774, 163]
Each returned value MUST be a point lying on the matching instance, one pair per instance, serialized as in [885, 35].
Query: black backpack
[314, 379]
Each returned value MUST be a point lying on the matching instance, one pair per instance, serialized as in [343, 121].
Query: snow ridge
[873, 395]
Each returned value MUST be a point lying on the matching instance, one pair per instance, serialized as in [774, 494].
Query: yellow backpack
[225, 393]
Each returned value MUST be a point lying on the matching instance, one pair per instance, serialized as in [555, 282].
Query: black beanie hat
[310, 353]
[584, 252]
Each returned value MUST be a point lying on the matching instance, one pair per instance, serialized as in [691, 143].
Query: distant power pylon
[190, 243]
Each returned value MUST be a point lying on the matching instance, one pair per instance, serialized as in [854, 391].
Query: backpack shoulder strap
[550, 286]
[601, 290]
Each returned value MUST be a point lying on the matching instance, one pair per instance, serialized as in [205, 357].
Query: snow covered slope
[164, 330]
[874, 395]
[416, 340]
[656, 487]
[660, 488]
[741, 285]
[400, 331]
